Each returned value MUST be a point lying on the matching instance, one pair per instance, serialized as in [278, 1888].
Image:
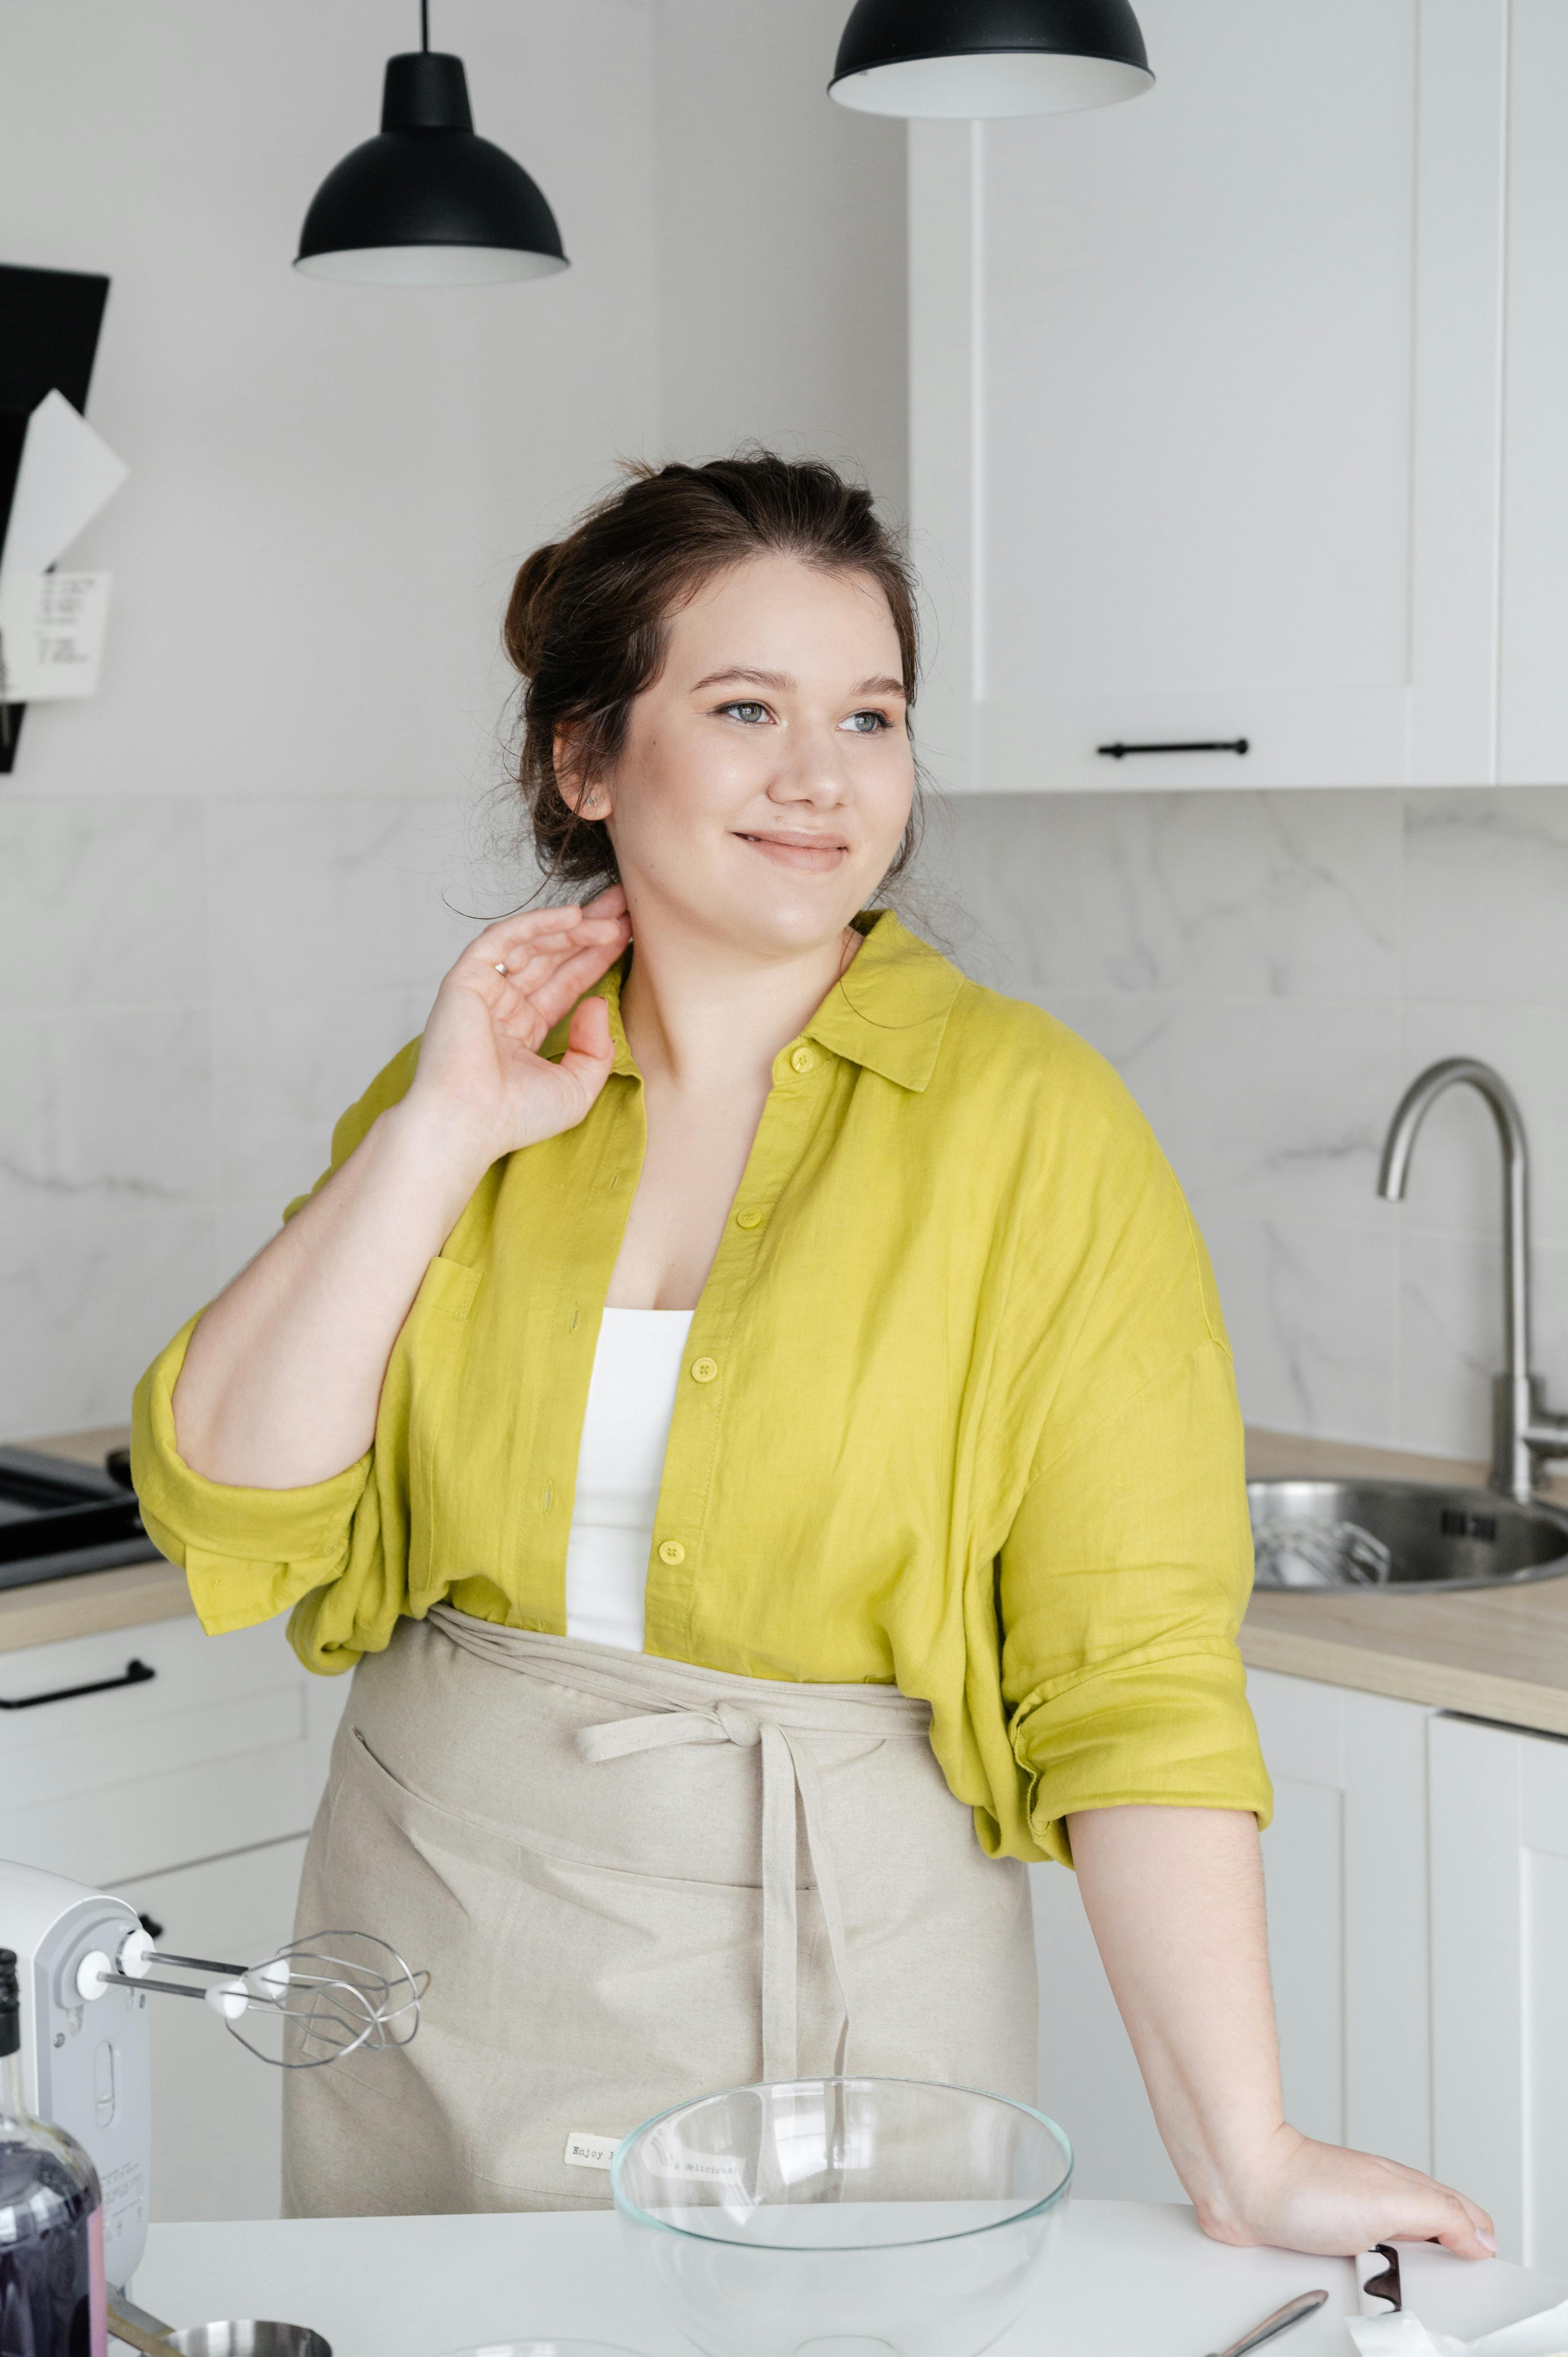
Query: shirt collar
[608, 988]
[887, 1012]
[890, 1008]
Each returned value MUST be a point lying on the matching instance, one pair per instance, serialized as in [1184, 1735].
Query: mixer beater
[310, 2002]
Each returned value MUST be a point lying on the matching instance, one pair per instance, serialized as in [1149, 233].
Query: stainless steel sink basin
[1360, 1536]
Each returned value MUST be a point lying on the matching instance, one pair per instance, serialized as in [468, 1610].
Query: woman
[755, 1408]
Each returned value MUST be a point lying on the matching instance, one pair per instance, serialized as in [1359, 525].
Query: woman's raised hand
[481, 1079]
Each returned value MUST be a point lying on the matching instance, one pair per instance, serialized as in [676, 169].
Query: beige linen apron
[633, 1882]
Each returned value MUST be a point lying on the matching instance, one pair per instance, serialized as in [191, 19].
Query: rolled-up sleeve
[335, 1553]
[249, 1554]
[1122, 1586]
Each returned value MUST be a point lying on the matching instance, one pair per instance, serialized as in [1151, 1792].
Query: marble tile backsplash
[1267, 972]
[190, 993]
[192, 990]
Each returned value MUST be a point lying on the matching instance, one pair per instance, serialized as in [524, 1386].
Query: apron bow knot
[787, 1770]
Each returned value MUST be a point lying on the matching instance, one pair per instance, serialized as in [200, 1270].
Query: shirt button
[802, 1059]
[672, 1552]
[703, 1369]
[753, 1218]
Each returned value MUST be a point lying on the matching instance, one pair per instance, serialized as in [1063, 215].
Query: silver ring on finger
[501, 969]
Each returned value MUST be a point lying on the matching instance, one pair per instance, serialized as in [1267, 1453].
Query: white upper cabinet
[1208, 394]
[1535, 685]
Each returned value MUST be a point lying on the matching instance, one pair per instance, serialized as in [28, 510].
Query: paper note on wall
[67, 472]
[51, 634]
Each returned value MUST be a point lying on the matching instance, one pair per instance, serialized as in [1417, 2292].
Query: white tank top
[620, 1461]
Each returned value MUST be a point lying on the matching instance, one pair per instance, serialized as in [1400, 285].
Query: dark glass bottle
[52, 2297]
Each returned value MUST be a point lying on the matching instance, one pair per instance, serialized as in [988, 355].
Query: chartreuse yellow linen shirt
[956, 1412]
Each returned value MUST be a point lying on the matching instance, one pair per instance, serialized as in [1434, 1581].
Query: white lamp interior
[992, 82]
[428, 265]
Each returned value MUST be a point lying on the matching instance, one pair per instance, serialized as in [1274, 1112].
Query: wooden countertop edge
[1458, 1652]
[1406, 1677]
[88, 1603]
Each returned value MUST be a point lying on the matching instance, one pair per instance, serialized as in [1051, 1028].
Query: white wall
[781, 259]
[220, 882]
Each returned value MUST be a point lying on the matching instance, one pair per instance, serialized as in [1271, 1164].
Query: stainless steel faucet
[1523, 1427]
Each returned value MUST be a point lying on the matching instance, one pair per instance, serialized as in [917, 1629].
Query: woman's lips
[812, 855]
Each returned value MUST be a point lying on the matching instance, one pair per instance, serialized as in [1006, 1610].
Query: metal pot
[246, 2337]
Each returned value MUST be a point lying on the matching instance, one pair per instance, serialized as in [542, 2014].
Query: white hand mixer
[86, 1966]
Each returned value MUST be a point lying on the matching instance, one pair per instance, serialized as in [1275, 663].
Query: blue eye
[865, 724]
[748, 713]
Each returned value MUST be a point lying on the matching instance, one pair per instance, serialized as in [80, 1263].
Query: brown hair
[587, 621]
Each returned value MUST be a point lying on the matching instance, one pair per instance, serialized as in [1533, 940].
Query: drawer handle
[136, 1674]
[1119, 752]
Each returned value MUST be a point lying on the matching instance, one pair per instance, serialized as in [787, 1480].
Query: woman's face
[767, 775]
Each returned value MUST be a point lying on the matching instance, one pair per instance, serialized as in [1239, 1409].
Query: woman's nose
[813, 770]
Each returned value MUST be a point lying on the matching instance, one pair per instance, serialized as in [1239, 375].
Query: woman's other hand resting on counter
[1174, 1897]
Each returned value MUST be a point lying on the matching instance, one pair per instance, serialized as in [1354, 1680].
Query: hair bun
[530, 610]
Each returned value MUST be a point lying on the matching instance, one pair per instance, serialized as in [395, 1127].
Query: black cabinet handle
[136, 1674]
[1119, 752]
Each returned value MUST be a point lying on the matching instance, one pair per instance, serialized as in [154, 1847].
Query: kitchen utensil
[305, 2004]
[235, 2337]
[1280, 2320]
[852, 2217]
[135, 2336]
[1378, 2280]
[86, 1961]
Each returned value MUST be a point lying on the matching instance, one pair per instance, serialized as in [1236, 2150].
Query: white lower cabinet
[217, 2110]
[1499, 1978]
[181, 1771]
[1417, 1873]
[1344, 1861]
[141, 1749]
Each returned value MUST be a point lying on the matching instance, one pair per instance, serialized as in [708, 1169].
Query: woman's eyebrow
[882, 684]
[753, 678]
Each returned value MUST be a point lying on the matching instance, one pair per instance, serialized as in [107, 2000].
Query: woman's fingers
[589, 1051]
[512, 939]
[510, 966]
[1466, 2229]
[552, 992]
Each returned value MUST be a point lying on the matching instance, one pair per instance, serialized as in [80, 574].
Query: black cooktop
[57, 1517]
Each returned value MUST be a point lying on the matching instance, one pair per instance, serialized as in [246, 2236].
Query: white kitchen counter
[1126, 2279]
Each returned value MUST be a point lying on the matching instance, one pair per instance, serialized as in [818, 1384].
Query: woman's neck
[698, 1014]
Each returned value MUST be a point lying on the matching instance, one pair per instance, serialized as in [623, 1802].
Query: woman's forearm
[1174, 1897]
[283, 1378]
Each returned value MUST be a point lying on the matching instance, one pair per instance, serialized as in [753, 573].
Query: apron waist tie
[787, 1769]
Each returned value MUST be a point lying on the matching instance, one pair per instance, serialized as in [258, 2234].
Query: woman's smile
[805, 849]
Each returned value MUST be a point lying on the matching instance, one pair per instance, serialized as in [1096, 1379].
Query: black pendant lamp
[428, 203]
[980, 58]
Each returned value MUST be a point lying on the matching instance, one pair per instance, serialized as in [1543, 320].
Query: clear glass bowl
[842, 2217]
[542, 2349]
